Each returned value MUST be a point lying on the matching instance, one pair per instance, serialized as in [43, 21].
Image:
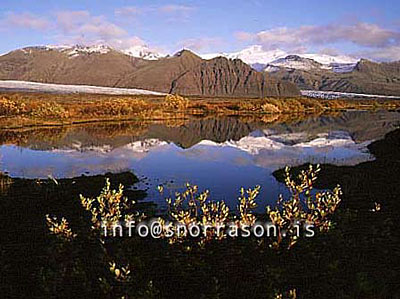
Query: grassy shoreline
[18, 110]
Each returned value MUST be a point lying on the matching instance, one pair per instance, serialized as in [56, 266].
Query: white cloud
[83, 24]
[168, 9]
[126, 43]
[24, 20]
[173, 12]
[80, 27]
[128, 11]
[385, 54]
[374, 41]
[329, 51]
[361, 34]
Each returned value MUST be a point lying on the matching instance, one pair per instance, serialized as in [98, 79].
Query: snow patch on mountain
[251, 55]
[143, 52]
[302, 63]
[295, 62]
[58, 47]
[140, 51]
[78, 50]
[328, 59]
[269, 68]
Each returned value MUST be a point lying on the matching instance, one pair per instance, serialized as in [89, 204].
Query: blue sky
[365, 28]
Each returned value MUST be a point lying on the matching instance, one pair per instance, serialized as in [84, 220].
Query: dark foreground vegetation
[32, 109]
[357, 258]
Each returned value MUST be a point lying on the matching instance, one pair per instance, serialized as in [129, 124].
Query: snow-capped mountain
[255, 56]
[251, 55]
[329, 59]
[269, 60]
[303, 63]
[338, 64]
[143, 52]
[78, 50]
[295, 62]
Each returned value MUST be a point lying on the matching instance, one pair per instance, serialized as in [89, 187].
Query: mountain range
[365, 77]
[259, 58]
[251, 72]
[184, 73]
[324, 72]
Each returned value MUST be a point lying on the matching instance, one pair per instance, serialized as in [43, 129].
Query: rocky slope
[221, 76]
[184, 73]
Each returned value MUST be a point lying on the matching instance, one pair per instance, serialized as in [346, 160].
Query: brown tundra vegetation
[19, 109]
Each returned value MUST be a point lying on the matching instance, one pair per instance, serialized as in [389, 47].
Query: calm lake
[219, 154]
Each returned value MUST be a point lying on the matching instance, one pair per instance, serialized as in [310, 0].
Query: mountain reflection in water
[220, 154]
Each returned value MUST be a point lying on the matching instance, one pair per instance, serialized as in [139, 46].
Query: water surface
[219, 154]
